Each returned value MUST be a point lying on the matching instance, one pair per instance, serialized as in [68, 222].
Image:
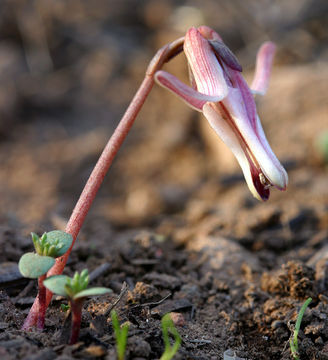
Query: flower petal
[192, 97]
[272, 169]
[253, 135]
[228, 136]
[209, 33]
[224, 53]
[204, 65]
[264, 61]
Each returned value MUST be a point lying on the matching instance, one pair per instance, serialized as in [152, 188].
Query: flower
[221, 93]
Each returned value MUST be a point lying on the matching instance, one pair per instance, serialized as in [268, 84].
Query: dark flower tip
[225, 54]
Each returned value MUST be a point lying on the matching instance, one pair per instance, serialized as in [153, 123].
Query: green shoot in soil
[167, 325]
[34, 265]
[75, 289]
[121, 335]
[293, 342]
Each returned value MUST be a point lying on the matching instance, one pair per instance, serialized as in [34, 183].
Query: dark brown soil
[174, 220]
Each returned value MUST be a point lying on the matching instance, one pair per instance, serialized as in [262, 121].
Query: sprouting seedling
[168, 326]
[293, 342]
[64, 307]
[34, 265]
[121, 335]
[75, 290]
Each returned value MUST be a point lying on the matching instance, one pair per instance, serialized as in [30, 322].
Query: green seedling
[121, 335]
[64, 307]
[34, 265]
[293, 342]
[75, 290]
[168, 326]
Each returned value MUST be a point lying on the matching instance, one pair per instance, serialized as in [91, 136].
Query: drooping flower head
[219, 91]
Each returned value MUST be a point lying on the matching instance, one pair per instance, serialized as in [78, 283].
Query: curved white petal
[224, 131]
[192, 97]
[254, 136]
[272, 169]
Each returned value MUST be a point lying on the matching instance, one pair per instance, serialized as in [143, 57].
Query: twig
[100, 270]
[152, 303]
[200, 341]
[122, 293]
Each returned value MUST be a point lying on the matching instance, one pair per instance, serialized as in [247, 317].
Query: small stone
[138, 347]
[142, 293]
[163, 280]
[178, 319]
[171, 306]
[94, 351]
[277, 324]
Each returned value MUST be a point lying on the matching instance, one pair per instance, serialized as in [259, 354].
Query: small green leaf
[32, 265]
[36, 240]
[121, 335]
[56, 237]
[168, 326]
[64, 307]
[95, 291]
[57, 284]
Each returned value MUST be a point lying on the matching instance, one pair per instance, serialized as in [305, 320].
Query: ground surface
[174, 219]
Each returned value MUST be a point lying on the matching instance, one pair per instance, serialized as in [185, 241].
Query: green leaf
[57, 284]
[32, 265]
[36, 240]
[92, 292]
[60, 237]
[64, 307]
[168, 326]
[121, 335]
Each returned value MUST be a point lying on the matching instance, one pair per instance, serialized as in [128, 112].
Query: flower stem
[104, 162]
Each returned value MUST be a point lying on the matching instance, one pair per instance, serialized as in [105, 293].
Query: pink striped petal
[264, 61]
[192, 97]
[204, 65]
[209, 33]
[229, 137]
[247, 98]
[251, 130]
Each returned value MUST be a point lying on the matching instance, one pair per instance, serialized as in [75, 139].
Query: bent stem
[96, 178]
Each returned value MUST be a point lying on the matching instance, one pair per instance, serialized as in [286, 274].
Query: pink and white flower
[220, 92]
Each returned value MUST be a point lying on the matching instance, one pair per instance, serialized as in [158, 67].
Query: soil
[174, 227]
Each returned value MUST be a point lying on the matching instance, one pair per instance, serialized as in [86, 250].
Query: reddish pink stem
[91, 188]
[97, 176]
[76, 309]
[42, 302]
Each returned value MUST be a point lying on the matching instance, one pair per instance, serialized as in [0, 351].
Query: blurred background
[69, 68]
